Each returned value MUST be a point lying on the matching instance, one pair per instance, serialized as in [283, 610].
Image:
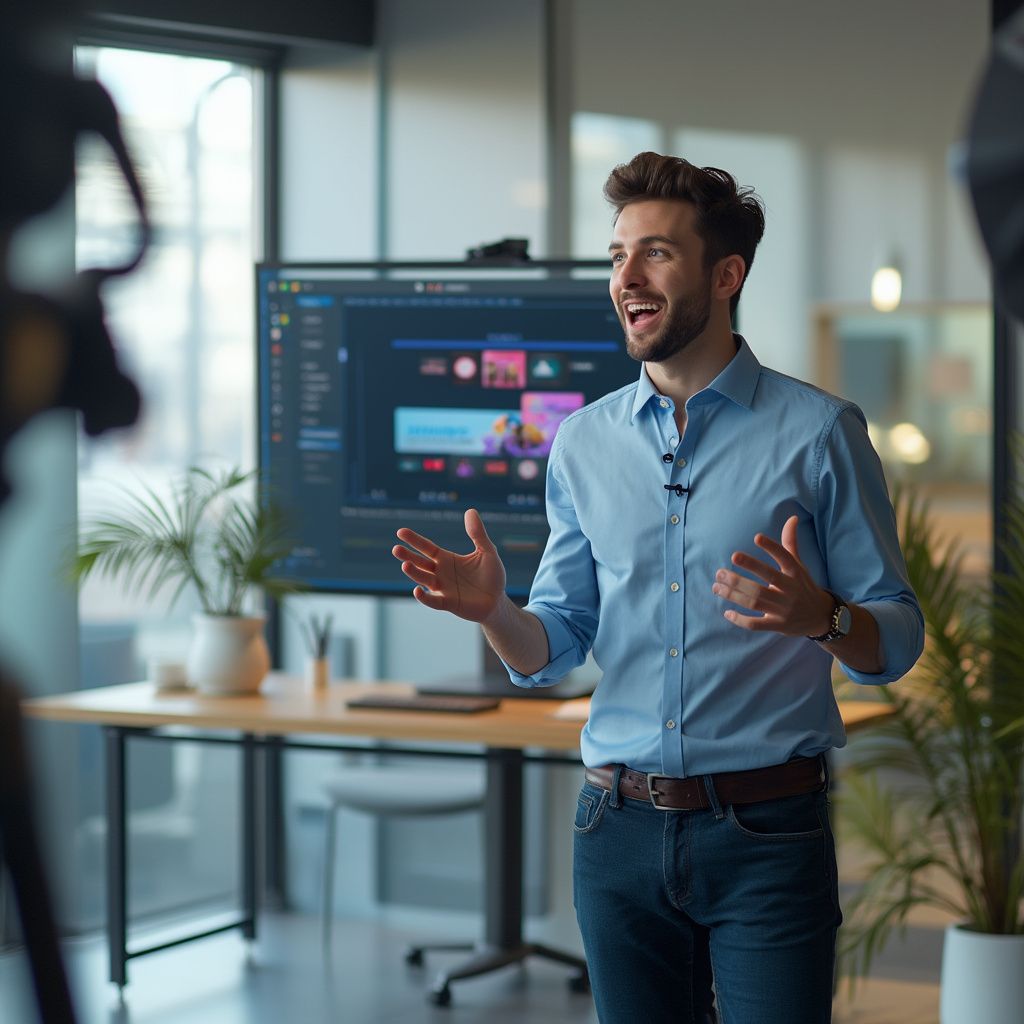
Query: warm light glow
[886, 289]
[909, 444]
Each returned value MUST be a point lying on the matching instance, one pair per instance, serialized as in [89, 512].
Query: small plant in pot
[211, 537]
[935, 794]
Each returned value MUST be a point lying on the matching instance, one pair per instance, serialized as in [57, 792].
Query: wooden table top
[286, 706]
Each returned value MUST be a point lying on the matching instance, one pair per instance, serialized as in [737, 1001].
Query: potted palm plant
[944, 830]
[208, 536]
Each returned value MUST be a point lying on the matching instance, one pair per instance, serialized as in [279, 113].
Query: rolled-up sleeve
[564, 595]
[860, 544]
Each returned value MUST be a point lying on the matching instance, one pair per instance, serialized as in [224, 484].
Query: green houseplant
[210, 536]
[945, 829]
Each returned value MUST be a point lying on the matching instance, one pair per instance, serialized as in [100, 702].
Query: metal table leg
[275, 880]
[117, 856]
[117, 849]
[248, 837]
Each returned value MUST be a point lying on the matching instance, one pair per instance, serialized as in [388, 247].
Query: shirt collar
[737, 381]
[645, 391]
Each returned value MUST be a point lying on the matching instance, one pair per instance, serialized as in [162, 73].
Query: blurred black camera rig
[55, 351]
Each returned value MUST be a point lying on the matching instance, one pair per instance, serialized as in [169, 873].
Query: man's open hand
[788, 601]
[469, 586]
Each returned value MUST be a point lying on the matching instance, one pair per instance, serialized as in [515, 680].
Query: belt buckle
[652, 792]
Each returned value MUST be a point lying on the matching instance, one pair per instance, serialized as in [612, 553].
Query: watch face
[843, 621]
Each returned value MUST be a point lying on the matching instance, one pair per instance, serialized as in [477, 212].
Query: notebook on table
[457, 703]
[494, 685]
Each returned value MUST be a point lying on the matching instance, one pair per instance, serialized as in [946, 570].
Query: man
[719, 532]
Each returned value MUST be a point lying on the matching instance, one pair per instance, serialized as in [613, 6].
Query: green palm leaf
[203, 536]
[953, 751]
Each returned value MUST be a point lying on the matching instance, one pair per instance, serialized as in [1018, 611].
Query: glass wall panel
[183, 327]
[923, 377]
[599, 142]
[183, 321]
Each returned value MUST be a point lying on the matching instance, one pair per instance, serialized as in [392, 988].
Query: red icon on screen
[433, 465]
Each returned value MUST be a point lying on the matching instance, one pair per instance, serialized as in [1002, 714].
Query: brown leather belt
[801, 775]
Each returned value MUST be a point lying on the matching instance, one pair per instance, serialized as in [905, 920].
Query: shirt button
[673, 651]
[674, 520]
[681, 462]
[670, 724]
[674, 587]
[663, 404]
[673, 440]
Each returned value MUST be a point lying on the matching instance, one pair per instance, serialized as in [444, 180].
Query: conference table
[518, 731]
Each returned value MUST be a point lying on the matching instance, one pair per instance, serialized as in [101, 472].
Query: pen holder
[317, 673]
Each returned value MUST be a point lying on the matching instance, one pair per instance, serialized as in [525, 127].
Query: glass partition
[923, 377]
[183, 325]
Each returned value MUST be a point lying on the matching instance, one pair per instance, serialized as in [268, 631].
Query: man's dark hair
[729, 219]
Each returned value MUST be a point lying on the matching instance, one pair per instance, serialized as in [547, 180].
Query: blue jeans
[744, 894]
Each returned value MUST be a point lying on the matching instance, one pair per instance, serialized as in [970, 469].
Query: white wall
[328, 157]
[465, 125]
[874, 70]
[458, 91]
[865, 100]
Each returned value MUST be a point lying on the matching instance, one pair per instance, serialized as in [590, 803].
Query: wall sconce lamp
[908, 444]
[887, 285]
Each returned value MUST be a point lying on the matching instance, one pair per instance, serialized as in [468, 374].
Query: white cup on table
[167, 674]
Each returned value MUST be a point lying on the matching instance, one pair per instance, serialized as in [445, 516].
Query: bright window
[183, 321]
[183, 327]
[599, 142]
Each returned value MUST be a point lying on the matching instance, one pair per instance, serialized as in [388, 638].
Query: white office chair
[391, 790]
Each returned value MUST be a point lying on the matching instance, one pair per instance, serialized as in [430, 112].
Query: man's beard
[688, 321]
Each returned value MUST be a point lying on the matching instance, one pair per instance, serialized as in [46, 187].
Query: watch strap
[834, 632]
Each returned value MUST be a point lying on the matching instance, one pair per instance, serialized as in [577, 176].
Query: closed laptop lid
[495, 685]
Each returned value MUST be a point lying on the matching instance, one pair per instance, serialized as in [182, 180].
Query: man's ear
[728, 277]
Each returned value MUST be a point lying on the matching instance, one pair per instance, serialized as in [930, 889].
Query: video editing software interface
[402, 402]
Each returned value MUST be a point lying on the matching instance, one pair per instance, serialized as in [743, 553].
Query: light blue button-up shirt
[629, 566]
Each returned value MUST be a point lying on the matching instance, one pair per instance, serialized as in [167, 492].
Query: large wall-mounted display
[401, 398]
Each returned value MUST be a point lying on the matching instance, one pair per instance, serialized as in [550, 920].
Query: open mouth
[642, 314]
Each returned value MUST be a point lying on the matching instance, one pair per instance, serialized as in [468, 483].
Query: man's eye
[618, 257]
[656, 252]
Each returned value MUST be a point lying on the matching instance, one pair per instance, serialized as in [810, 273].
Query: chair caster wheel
[441, 996]
[414, 957]
[580, 983]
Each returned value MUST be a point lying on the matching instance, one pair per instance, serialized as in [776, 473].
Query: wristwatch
[841, 622]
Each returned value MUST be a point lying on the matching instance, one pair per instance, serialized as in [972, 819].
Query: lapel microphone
[678, 488]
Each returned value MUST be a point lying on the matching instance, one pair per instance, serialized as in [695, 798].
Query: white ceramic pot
[228, 655]
[982, 978]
